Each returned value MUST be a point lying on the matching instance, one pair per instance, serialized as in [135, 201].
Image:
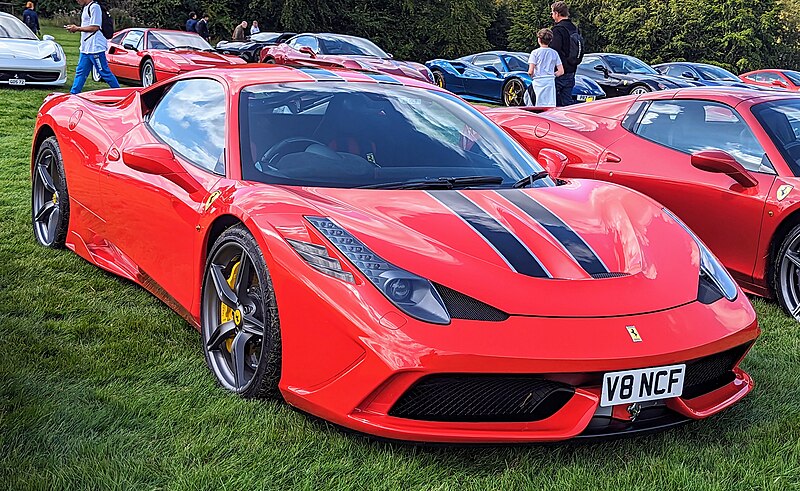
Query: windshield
[167, 40]
[627, 64]
[518, 62]
[14, 28]
[265, 37]
[349, 45]
[781, 120]
[371, 135]
[793, 76]
[716, 73]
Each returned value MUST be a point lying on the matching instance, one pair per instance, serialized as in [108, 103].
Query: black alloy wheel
[438, 78]
[49, 196]
[514, 93]
[239, 317]
[786, 273]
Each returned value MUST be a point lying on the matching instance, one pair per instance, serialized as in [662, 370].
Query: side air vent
[600, 276]
[461, 306]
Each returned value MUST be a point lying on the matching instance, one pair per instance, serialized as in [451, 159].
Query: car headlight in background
[662, 86]
[711, 270]
[414, 295]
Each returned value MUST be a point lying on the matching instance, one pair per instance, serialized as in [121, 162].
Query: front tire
[786, 273]
[514, 93]
[438, 78]
[148, 73]
[49, 196]
[239, 317]
[639, 90]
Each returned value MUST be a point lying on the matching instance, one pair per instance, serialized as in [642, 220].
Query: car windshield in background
[14, 29]
[349, 45]
[518, 62]
[716, 73]
[372, 135]
[781, 120]
[627, 64]
[793, 76]
[167, 40]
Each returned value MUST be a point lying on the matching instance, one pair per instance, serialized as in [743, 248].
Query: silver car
[26, 60]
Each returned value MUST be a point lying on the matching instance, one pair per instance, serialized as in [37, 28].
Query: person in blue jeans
[93, 47]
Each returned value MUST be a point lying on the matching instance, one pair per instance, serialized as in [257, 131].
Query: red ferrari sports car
[144, 56]
[376, 252]
[780, 79]
[726, 161]
[337, 50]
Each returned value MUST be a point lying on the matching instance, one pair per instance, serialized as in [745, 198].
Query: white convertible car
[26, 60]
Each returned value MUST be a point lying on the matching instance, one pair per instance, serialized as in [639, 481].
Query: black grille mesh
[30, 76]
[600, 276]
[711, 372]
[461, 306]
[482, 398]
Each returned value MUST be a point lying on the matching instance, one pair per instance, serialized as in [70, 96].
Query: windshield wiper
[438, 183]
[528, 181]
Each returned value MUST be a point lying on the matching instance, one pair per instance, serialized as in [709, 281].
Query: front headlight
[57, 54]
[414, 295]
[711, 270]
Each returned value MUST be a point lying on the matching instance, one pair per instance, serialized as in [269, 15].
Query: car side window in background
[781, 121]
[676, 71]
[309, 41]
[489, 60]
[118, 38]
[767, 77]
[132, 38]
[190, 118]
[691, 126]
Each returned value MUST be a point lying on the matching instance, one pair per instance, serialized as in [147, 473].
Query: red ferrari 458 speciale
[726, 161]
[378, 253]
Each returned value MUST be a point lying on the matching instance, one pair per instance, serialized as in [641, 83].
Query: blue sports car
[499, 77]
[703, 73]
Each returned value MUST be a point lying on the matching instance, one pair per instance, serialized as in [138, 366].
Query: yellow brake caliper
[225, 312]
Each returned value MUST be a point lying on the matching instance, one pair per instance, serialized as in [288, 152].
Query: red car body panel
[777, 79]
[127, 63]
[721, 211]
[348, 353]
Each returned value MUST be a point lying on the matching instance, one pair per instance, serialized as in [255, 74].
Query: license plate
[589, 98]
[16, 81]
[648, 384]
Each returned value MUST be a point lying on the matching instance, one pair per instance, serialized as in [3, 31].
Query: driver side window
[132, 38]
[190, 118]
[309, 41]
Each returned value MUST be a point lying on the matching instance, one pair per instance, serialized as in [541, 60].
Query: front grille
[482, 398]
[712, 372]
[600, 276]
[5, 75]
[461, 306]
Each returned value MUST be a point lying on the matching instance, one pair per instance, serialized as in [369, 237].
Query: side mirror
[602, 69]
[158, 160]
[779, 83]
[493, 69]
[718, 161]
[307, 50]
[129, 46]
[390, 55]
[689, 75]
[553, 161]
[48, 37]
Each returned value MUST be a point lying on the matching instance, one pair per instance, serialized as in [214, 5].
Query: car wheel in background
[786, 273]
[514, 93]
[50, 199]
[438, 78]
[239, 317]
[148, 73]
[640, 89]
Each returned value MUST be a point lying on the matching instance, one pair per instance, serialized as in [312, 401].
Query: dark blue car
[499, 77]
[710, 75]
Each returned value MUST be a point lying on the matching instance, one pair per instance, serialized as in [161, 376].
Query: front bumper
[33, 72]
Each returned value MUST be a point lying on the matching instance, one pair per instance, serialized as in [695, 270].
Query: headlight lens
[711, 270]
[412, 294]
[57, 54]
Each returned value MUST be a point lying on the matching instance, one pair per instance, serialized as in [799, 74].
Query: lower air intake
[461, 306]
[482, 398]
[600, 276]
[712, 372]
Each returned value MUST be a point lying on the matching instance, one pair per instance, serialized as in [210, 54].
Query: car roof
[731, 95]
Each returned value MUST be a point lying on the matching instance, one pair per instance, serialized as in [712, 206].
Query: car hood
[205, 58]
[652, 264]
[29, 49]
[390, 66]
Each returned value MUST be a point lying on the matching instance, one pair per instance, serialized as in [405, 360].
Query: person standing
[544, 65]
[93, 47]
[31, 18]
[202, 27]
[254, 29]
[239, 31]
[568, 42]
[191, 22]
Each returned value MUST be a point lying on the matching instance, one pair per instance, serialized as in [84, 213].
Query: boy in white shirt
[544, 66]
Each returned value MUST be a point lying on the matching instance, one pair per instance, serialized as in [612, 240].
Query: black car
[622, 75]
[709, 75]
[250, 50]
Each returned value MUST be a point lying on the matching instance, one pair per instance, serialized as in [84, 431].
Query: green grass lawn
[102, 386]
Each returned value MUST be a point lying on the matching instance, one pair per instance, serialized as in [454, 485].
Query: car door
[123, 58]
[595, 68]
[152, 217]
[654, 157]
[486, 83]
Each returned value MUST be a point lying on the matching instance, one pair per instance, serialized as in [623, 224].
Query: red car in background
[145, 56]
[726, 161]
[379, 254]
[337, 50]
[780, 79]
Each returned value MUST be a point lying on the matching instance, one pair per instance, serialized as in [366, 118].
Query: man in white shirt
[93, 46]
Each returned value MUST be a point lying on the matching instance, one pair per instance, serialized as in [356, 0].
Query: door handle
[611, 158]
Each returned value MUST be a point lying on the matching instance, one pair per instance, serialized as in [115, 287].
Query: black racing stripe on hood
[572, 242]
[507, 245]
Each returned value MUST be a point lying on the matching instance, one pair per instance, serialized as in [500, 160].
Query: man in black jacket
[562, 31]
[202, 27]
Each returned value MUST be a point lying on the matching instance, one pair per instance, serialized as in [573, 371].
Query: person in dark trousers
[202, 27]
[562, 31]
[191, 22]
[31, 18]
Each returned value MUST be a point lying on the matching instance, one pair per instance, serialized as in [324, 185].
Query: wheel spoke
[794, 258]
[45, 212]
[220, 334]
[238, 349]
[252, 326]
[45, 177]
[52, 223]
[224, 292]
[243, 275]
[796, 311]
